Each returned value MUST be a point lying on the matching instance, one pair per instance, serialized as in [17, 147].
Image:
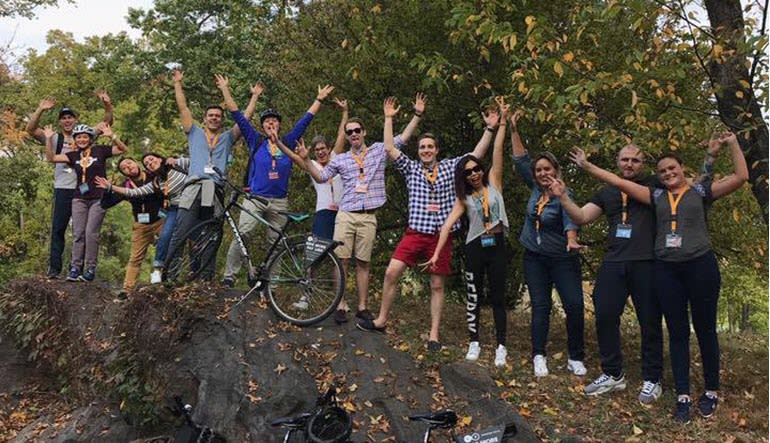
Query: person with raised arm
[268, 171]
[478, 195]
[153, 196]
[549, 238]
[430, 186]
[65, 180]
[209, 148]
[686, 274]
[362, 171]
[88, 162]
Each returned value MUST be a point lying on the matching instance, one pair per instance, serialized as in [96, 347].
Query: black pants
[186, 219]
[60, 219]
[695, 283]
[614, 282]
[490, 261]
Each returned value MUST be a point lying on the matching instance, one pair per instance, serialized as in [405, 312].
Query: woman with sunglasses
[168, 180]
[549, 238]
[685, 270]
[479, 196]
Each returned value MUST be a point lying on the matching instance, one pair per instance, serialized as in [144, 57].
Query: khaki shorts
[357, 232]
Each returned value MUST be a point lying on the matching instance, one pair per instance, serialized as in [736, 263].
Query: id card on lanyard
[432, 177]
[623, 229]
[212, 141]
[673, 239]
[85, 162]
[542, 202]
[487, 238]
[272, 174]
[362, 187]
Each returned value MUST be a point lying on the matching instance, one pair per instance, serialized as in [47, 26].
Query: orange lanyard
[624, 210]
[674, 203]
[485, 208]
[212, 141]
[85, 162]
[360, 160]
[431, 177]
[273, 152]
[142, 178]
[541, 204]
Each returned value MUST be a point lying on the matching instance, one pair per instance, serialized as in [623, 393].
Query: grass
[555, 405]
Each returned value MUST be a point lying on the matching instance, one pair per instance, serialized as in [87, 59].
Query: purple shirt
[373, 181]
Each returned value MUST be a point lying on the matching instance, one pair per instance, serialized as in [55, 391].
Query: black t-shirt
[96, 166]
[692, 225]
[641, 217]
[149, 204]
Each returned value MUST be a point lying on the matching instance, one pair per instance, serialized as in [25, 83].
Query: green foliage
[24, 8]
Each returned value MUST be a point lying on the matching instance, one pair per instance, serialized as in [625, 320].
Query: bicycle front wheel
[194, 255]
[300, 294]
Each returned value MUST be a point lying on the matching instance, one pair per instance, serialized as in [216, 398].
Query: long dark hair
[162, 172]
[461, 184]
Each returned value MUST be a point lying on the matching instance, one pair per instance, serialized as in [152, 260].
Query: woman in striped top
[169, 179]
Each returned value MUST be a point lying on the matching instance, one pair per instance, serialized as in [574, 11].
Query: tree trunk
[737, 104]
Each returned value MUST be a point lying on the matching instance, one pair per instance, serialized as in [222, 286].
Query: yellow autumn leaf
[717, 50]
[512, 41]
[637, 431]
[466, 420]
[568, 56]
[376, 9]
[584, 98]
[739, 94]
[634, 99]
[550, 411]
[529, 20]
[736, 215]
[558, 69]
[744, 84]
[349, 406]
[344, 43]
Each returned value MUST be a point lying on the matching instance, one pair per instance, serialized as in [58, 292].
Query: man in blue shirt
[268, 171]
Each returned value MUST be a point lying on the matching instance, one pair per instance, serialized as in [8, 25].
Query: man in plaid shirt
[362, 170]
[431, 196]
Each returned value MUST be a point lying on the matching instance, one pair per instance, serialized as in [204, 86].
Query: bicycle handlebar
[237, 190]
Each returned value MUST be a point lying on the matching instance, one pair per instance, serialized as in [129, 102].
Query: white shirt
[328, 195]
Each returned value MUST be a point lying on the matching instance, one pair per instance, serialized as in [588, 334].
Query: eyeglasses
[470, 171]
[353, 131]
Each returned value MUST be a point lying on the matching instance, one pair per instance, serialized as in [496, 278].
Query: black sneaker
[52, 274]
[367, 325]
[340, 316]
[228, 282]
[74, 274]
[89, 275]
[682, 411]
[434, 346]
[365, 314]
[707, 405]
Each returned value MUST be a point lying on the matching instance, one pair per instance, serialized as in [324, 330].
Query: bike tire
[192, 255]
[290, 283]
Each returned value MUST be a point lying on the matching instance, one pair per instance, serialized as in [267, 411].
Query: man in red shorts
[430, 184]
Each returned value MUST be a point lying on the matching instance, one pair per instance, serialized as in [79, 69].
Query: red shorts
[416, 246]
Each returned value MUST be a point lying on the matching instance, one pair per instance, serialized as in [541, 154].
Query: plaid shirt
[422, 193]
[374, 177]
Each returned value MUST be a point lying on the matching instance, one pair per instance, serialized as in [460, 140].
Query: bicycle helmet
[267, 113]
[84, 129]
[331, 424]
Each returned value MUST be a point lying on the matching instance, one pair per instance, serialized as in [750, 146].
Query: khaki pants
[247, 224]
[142, 236]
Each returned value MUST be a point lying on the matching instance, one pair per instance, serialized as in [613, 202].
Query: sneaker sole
[606, 389]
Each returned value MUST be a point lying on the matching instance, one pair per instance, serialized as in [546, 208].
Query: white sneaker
[473, 351]
[500, 355]
[541, 369]
[156, 277]
[576, 367]
[650, 392]
[605, 383]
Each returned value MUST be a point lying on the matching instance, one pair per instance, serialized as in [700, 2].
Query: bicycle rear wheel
[300, 294]
[193, 255]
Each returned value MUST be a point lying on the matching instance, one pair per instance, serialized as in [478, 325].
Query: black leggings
[492, 261]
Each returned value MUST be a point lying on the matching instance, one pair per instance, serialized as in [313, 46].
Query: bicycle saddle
[296, 421]
[296, 217]
[444, 419]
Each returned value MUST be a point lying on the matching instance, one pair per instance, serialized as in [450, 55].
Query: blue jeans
[541, 274]
[323, 223]
[161, 248]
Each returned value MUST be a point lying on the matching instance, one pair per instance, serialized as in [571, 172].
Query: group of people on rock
[658, 248]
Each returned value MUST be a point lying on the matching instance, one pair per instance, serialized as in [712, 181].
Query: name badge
[161, 213]
[623, 231]
[67, 170]
[272, 175]
[488, 240]
[84, 188]
[333, 207]
[362, 188]
[673, 241]
[208, 170]
[143, 218]
[432, 207]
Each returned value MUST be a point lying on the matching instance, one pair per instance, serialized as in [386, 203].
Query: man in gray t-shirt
[64, 177]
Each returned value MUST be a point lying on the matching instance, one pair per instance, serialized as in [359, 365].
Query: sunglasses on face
[470, 171]
[353, 131]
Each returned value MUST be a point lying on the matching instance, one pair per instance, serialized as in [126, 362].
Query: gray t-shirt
[690, 219]
[475, 212]
[63, 175]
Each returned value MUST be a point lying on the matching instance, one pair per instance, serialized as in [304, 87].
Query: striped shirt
[176, 183]
[360, 193]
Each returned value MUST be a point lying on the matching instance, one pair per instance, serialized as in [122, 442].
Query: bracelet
[490, 129]
[419, 114]
[319, 100]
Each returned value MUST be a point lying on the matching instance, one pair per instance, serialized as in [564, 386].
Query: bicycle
[301, 276]
[447, 419]
[327, 423]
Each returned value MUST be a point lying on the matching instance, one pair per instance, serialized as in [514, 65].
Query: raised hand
[105, 129]
[515, 119]
[728, 137]
[342, 103]
[170, 161]
[505, 108]
[324, 92]
[578, 157]
[419, 103]
[48, 131]
[104, 97]
[257, 89]
[177, 75]
[102, 182]
[47, 103]
[556, 187]
[389, 107]
[221, 81]
[301, 150]
[491, 117]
